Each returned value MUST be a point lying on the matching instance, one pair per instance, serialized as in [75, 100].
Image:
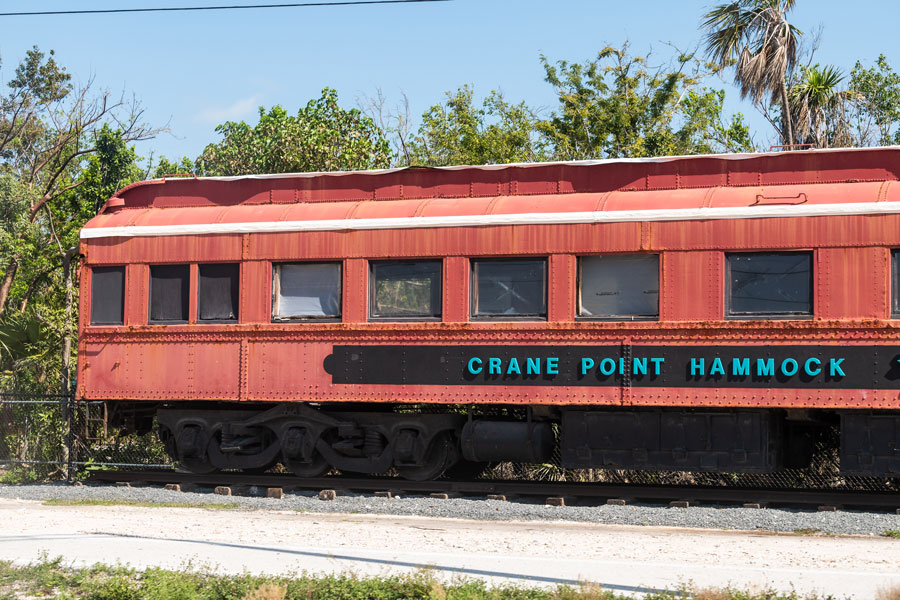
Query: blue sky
[194, 70]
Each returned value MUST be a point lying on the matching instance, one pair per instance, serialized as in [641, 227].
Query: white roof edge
[576, 163]
[484, 220]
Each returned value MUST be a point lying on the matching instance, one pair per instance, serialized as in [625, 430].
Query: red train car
[689, 313]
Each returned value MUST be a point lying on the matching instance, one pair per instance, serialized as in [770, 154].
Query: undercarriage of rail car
[310, 440]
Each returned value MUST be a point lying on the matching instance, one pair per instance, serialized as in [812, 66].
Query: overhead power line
[195, 8]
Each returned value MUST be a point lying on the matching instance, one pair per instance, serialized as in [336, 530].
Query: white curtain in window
[308, 290]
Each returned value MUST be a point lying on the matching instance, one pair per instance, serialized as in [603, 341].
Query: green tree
[705, 130]
[63, 152]
[618, 106]
[457, 132]
[877, 102]
[755, 38]
[48, 132]
[322, 137]
[164, 167]
[816, 106]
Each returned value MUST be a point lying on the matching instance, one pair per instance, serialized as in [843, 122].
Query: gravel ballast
[706, 517]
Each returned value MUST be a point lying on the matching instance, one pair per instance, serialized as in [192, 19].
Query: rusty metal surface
[852, 281]
[692, 286]
[259, 360]
[783, 168]
[279, 362]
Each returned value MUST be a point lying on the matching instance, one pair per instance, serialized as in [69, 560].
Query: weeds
[52, 578]
[891, 533]
[892, 593]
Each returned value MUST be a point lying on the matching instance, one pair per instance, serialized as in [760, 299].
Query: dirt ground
[618, 557]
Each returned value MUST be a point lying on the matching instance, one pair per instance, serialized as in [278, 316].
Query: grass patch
[52, 578]
[807, 531]
[891, 533]
[95, 502]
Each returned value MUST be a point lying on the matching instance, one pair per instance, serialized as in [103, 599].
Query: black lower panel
[870, 444]
[810, 366]
[743, 441]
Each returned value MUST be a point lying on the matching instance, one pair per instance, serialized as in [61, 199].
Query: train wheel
[316, 467]
[200, 466]
[441, 454]
[192, 448]
[297, 443]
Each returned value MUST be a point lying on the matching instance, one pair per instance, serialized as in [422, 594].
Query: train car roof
[793, 183]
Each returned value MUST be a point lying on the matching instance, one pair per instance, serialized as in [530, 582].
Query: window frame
[626, 318]
[473, 289]
[419, 318]
[770, 316]
[276, 285]
[895, 283]
[150, 320]
[124, 285]
[237, 316]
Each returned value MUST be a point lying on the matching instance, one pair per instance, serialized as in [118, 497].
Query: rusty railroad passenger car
[690, 313]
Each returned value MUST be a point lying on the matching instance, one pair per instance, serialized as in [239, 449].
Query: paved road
[626, 559]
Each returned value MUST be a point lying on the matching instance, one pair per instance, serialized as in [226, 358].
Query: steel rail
[573, 491]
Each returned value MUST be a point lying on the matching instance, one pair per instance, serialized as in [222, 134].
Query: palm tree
[755, 37]
[814, 101]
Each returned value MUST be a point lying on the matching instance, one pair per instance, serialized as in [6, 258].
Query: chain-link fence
[51, 436]
[823, 472]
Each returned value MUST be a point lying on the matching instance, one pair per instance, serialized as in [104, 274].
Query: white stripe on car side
[558, 218]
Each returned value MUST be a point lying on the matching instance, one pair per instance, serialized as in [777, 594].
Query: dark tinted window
[405, 290]
[107, 295]
[169, 288]
[895, 283]
[769, 284]
[622, 286]
[217, 290]
[306, 291]
[509, 288]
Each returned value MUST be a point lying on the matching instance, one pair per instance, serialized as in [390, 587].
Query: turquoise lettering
[765, 368]
[697, 367]
[533, 366]
[740, 366]
[552, 366]
[586, 365]
[834, 367]
[717, 368]
[656, 364]
[494, 366]
[607, 366]
[513, 367]
[621, 366]
[812, 372]
[472, 363]
[789, 362]
[640, 366]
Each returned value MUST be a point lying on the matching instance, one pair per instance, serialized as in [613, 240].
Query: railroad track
[552, 492]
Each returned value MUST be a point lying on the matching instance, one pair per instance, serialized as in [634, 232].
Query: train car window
[509, 288]
[623, 286]
[107, 295]
[306, 291]
[405, 290]
[169, 289]
[895, 284]
[217, 292]
[769, 284]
